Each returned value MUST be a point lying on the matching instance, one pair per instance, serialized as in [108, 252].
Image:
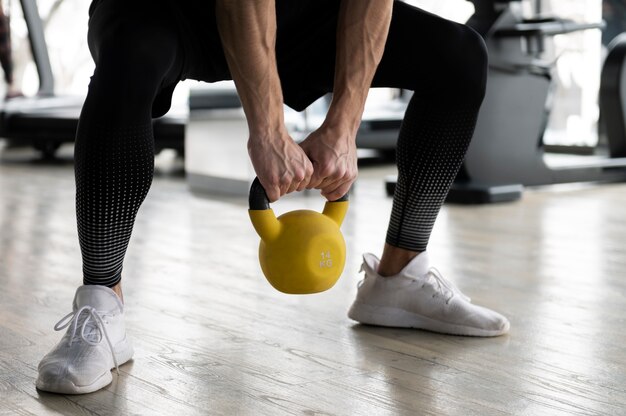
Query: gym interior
[532, 227]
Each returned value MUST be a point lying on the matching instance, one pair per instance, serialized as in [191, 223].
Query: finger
[325, 179]
[314, 183]
[272, 189]
[328, 183]
[292, 187]
[335, 189]
[333, 180]
[302, 186]
[273, 194]
[337, 192]
[284, 190]
[316, 177]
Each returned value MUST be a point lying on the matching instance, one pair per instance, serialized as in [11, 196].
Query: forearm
[361, 35]
[248, 33]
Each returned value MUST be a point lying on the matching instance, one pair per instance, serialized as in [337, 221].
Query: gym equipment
[302, 251]
[507, 151]
[217, 121]
[214, 98]
[46, 121]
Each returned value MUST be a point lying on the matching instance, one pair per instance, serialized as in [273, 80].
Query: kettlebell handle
[258, 199]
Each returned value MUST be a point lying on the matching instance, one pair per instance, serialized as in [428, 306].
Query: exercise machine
[507, 151]
[47, 120]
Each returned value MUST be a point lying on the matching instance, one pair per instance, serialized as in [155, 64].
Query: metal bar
[38, 47]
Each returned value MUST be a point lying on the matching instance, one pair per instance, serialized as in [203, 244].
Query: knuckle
[299, 175]
[341, 173]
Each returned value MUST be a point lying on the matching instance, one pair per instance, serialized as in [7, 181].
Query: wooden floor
[213, 338]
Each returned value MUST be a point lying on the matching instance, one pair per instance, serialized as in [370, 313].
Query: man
[291, 52]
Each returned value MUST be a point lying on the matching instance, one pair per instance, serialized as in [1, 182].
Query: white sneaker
[419, 297]
[95, 343]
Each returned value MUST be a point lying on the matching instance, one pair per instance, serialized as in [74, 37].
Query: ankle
[118, 291]
[394, 259]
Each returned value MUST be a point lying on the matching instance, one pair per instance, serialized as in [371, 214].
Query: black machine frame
[47, 120]
[507, 151]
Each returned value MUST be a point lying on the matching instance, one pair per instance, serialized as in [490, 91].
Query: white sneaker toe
[56, 378]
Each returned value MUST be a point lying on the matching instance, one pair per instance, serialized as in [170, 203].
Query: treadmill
[46, 121]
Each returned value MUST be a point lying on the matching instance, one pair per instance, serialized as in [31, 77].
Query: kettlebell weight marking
[326, 261]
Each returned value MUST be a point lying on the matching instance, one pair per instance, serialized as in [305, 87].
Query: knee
[476, 60]
[466, 75]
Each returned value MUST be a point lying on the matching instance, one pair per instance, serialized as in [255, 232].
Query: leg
[444, 63]
[114, 151]
[135, 54]
[448, 77]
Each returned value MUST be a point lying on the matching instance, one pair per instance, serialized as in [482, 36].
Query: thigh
[196, 22]
[422, 51]
[426, 53]
[137, 50]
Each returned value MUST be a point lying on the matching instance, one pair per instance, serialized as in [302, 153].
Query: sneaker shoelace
[443, 285]
[92, 321]
[446, 286]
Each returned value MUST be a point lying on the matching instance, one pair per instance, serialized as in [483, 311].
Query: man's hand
[333, 154]
[280, 164]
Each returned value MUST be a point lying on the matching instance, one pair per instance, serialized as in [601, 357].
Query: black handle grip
[258, 200]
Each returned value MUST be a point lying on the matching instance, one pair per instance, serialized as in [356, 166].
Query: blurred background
[578, 56]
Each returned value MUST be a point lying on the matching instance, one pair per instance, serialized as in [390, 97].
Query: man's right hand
[280, 164]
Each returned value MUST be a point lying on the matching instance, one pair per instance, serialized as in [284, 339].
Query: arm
[248, 33]
[361, 35]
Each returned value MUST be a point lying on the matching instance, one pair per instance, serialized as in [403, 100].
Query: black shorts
[421, 53]
[305, 38]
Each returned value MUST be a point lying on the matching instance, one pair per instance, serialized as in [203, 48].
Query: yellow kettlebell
[301, 251]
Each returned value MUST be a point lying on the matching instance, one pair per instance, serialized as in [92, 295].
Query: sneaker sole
[123, 352]
[399, 318]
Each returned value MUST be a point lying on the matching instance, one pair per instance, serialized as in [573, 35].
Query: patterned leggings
[444, 63]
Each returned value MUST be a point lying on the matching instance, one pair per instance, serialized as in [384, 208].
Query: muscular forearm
[361, 36]
[248, 32]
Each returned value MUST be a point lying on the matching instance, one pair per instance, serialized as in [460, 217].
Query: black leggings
[142, 52]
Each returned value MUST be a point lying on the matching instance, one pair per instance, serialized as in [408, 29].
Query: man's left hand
[333, 154]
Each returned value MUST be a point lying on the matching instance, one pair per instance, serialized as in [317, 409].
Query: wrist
[344, 123]
[266, 125]
[345, 112]
[267, 133]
